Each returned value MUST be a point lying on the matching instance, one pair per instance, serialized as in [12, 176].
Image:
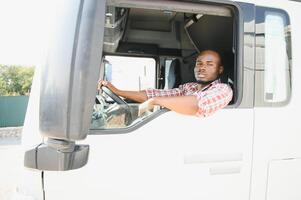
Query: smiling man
[201, 98]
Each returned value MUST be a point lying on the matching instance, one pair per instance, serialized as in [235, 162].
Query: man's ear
[221, 69]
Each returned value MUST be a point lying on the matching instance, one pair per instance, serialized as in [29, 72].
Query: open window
[169, 35]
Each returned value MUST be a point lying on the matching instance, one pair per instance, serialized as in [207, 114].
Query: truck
[84, 143]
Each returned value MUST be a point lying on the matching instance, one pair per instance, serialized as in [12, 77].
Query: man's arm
[187, 105]
[143, 95]
[202, 105]
[139, 96]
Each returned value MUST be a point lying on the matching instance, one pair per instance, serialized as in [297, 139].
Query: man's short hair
[216, 53]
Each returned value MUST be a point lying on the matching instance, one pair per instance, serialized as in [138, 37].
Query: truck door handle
[220, 170]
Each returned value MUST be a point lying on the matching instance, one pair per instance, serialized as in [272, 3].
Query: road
[11, 161]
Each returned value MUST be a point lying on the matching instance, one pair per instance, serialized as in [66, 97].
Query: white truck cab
[81, 143]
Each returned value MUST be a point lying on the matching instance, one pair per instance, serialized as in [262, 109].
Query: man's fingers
[99, 84]
[144, 107]
[102, 83]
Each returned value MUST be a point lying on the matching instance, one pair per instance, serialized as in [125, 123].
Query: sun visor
[210, 32]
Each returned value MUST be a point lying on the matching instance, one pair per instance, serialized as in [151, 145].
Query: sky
[24, 28]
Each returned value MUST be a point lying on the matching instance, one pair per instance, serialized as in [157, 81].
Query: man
[201, 98]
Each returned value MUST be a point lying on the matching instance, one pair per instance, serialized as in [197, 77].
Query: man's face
[207, 67]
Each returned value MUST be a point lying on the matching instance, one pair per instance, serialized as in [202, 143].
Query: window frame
[238, 67]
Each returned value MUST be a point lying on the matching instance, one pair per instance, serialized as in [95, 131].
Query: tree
[15, 80]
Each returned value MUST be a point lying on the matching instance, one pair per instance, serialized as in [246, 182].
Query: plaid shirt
[211, 98]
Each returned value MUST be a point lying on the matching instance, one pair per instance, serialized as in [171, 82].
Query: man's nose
[202, 67]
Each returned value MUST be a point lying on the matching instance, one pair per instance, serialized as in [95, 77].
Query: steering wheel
[115, 97]
[119, 101]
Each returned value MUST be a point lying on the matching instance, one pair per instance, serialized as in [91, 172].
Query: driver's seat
[174, 74]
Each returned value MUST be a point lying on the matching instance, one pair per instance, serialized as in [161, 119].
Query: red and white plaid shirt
[211, 98]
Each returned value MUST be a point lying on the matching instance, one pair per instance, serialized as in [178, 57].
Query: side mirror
[68, 86]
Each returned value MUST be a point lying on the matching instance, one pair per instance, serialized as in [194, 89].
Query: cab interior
[175, 35]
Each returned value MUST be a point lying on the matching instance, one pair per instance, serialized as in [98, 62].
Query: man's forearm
[187, 105]
[139, 96]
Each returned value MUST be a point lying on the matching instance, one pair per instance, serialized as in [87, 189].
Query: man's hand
[139, 96]
[108, 85]
[146, 106]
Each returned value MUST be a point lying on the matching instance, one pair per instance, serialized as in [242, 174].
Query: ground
[11, 161]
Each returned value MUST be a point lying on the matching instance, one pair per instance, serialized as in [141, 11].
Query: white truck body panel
[180, 157]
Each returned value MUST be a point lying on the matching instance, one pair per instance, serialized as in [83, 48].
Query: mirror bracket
[57, 155]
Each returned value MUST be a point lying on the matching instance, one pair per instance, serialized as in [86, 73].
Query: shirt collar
[212, 83]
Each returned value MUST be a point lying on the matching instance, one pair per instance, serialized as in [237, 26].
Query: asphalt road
[10, 136]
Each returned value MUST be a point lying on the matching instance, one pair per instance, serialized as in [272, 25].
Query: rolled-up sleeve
[213, 99]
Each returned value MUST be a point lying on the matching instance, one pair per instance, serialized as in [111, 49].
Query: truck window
[174, 38]
[139, 72]
[273, 66]
[126, 73]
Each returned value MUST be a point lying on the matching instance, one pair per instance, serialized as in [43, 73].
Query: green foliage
[15, 80]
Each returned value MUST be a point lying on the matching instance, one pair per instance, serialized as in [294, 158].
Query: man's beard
[204, 82]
